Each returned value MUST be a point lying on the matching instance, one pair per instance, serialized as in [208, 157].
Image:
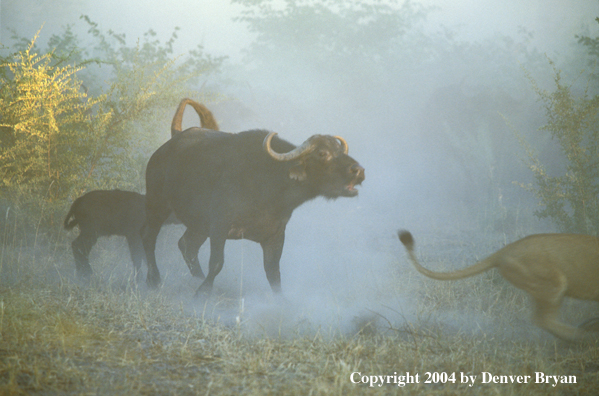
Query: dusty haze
[342, 260]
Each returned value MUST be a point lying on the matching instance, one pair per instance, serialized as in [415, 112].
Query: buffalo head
[322, 163]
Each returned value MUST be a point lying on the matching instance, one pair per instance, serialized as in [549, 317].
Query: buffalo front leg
[136, 250]
[82, 246]
[272, 250]
[215, 264]
[189, 245]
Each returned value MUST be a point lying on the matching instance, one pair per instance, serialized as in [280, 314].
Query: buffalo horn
[293, 154]
[343, 144]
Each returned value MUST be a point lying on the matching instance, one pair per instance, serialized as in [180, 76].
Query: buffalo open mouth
[350, 189]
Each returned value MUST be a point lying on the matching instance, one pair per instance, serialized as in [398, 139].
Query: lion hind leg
[548, 289]
[546, 317]
[546, 285]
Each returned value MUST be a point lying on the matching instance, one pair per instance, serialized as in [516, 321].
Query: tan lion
[547, 266]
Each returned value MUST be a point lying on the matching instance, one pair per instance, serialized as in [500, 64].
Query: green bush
[48, 130]
[571, 199]
[71, 123]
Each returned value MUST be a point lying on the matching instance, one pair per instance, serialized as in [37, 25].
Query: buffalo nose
[356, 169]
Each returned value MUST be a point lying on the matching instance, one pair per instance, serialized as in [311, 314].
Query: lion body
[549, 267]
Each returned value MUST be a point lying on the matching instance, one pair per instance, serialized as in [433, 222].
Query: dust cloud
[432, 123]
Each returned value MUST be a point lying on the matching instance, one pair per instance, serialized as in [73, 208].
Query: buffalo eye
[324, 155]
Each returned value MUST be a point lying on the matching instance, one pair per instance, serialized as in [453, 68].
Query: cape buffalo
[245, 185]
[115, 212]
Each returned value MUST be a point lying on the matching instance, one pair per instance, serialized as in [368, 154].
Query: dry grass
[114, 337]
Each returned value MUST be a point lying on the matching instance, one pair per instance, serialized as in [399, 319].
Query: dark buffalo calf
[115, 212]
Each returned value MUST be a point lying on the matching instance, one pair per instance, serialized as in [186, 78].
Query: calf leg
[189, 245]
[82, 246]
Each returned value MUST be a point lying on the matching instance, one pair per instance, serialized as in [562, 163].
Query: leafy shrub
[570, 200]
[48, 129]
[71, 123]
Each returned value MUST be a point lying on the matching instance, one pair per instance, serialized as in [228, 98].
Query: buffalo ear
[298, 172]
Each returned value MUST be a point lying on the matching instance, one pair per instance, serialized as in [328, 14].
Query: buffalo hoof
[203, 291]
[138, 275]
[196, 272]
[84, 272]
[153, 281]
[280, 299]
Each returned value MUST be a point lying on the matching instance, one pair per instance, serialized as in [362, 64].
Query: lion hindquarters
[547, 285]
[540, 279]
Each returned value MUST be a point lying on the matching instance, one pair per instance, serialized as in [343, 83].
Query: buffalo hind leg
[215, 264]
[82, 246]
[272, 250]
[149, 234]
[136, 250]
[189, 245]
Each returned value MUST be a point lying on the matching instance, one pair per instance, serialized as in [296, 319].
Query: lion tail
[206, 118]
[408, 241]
